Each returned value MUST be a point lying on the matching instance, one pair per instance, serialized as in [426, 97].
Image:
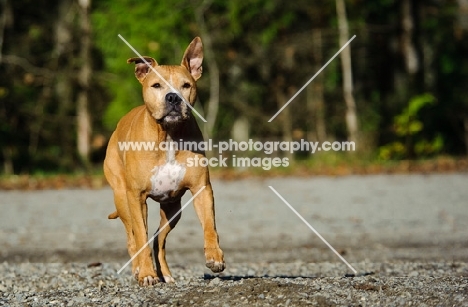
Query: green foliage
[392, 151]
[406, 125]
[425, 148]
[246, 14]
[159, 29]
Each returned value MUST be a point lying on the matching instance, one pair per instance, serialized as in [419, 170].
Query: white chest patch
[166, 178]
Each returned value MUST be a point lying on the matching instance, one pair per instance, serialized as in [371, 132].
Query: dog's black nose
[173, 99]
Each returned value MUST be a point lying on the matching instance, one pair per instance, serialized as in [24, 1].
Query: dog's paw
[215, 259]
[148, 281]
[216, 266]
[169, 279]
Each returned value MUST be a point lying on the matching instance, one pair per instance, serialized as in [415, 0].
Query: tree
[345, 55]
[84, 76]
[210, 60]
[316, 104]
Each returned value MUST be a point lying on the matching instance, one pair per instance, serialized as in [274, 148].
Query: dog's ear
[193, 58]
[141, 68]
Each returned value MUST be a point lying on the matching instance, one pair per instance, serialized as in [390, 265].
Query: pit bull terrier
[161, 174]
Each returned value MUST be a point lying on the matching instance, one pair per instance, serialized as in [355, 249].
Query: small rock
[116, 300]
[413, 274]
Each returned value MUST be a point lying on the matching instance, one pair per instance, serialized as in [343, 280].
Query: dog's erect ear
[193, 58]
[141, 68]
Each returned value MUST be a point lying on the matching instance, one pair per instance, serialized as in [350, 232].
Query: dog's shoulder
[128, 120]
[130, 116]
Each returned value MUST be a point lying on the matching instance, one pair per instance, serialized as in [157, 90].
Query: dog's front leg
[204, 207]
[168, 211]
[137, 205]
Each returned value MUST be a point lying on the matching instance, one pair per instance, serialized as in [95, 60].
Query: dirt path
[409, 231]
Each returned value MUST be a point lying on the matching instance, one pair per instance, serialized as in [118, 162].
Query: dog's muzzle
[174, 109]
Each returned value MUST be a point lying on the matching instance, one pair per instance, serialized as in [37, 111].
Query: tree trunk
[6, 20]
[345, 55]
[241, 129]
[407, 47]
[317, 130]
[410, 59]
[213, 102]
[8, 168]
[64, 80]
[461, 29]
[84, 76]
[285, 115]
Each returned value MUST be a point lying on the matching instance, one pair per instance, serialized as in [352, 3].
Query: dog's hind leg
[115, 177]
[167, 211]
[120, 199]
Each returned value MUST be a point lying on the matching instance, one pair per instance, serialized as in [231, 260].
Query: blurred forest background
[400, 89]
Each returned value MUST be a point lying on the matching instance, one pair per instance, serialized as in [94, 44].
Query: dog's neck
[185, 131]
[164, 132]
[174, 132]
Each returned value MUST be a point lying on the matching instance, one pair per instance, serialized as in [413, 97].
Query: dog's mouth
[171, 117]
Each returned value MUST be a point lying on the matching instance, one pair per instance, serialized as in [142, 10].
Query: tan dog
[161, 174]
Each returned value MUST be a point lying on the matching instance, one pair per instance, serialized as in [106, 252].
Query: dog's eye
[156, 85]
[186, 85]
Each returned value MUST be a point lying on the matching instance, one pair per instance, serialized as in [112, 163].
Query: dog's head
[164, 101]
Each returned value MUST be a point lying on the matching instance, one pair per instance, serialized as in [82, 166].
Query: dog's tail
[113, 215]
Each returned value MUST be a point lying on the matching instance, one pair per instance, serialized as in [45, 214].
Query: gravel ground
[405, 235]
[246, 284]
